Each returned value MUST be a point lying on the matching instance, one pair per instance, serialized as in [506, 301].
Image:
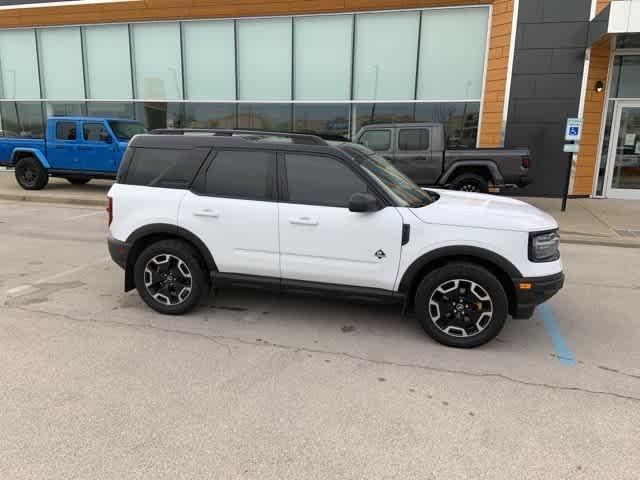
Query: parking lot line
[84, 215]
[565, 357]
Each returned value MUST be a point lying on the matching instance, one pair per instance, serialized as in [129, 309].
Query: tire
[470, 182]
[473, 321]
[30, 174]
[78, 180]
[171, 298]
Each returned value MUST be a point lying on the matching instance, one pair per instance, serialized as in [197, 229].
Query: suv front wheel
[461, 305]
[170, 278]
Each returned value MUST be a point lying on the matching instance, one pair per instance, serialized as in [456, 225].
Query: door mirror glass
[363, 202]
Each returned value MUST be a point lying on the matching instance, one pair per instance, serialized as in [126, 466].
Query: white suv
[298, 214]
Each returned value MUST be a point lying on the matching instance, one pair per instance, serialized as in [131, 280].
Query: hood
[484, 211]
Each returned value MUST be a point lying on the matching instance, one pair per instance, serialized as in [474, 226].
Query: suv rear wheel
[461, 305]
[170, 278]
[30, 174]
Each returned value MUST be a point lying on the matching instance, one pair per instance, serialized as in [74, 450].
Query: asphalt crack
[220, 339]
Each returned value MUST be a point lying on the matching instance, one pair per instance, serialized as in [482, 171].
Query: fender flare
[410, 275]
[173, 231]
[489, 164]
[34, 152]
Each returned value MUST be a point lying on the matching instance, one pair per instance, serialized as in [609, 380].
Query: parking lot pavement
[254, 385]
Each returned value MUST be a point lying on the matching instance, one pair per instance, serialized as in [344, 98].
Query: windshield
[405, 192]
[125, 131]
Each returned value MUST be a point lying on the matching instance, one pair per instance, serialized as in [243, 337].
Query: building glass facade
[329, 74]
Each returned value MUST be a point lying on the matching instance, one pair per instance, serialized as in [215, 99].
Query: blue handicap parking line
[565, 357]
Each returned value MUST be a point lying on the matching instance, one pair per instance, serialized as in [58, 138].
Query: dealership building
[495, 73]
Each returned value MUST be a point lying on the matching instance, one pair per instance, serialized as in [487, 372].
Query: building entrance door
[623, 176]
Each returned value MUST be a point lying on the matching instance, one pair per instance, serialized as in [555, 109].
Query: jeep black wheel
[470, 182]
[30, 174]
[170, 278]
[461, 305]
[78, 180]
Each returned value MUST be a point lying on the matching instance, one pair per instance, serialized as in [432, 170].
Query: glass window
[165, 168]
[75, 109]
[94, 132]
[61, 63]
[210, 115]
[412, 139]
[460, 121]
[385, 57]
[325, 119]
[317, 180]
[209, 60]
[626, 77]
[264, 59]
[66, 131]
[22, 119]
[240, 174]
[126, 130]
[631, 40]
[379, 140]
[157, 61]
[18, 65]
[108, 62]
[451, 64]
[110, 109]
[160, 114]
[265, 116]
[323, 57]
[369, 113]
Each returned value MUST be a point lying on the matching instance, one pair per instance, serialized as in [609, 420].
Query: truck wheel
[461, 305]
[470, 182]
[170, 277]
[30, 174]
[78, 180]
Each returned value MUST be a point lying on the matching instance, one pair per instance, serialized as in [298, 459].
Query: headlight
[544, 247]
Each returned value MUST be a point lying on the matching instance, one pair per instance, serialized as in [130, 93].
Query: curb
[56, 200]
[600, 243]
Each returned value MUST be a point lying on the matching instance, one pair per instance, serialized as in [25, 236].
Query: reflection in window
[75, 109]
[111, 110]
[604, 154]
[160, 114]
[459, 119]
[625, 78]
[18, 65]
[370, 113]
[265, 116]
[21, 119]
[329, 120]
[210, 115]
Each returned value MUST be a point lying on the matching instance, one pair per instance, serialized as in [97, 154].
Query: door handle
[206, 212]
[303, 221]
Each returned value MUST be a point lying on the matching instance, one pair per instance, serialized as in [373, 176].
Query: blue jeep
[75, 148]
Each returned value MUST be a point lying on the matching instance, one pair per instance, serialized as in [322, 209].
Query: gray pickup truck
[419, 150]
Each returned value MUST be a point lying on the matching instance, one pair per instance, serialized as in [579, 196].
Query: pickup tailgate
[512, 164]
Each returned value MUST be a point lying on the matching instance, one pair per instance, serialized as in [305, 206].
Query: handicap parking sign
[573, 131]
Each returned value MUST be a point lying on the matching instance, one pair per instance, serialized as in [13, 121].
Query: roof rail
[259, 135]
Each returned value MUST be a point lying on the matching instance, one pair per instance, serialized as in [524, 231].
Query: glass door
[624, 152]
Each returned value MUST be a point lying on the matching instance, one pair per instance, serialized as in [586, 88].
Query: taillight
[525, 162]
[110, 209]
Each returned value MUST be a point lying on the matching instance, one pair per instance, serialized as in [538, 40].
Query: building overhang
[620, 16]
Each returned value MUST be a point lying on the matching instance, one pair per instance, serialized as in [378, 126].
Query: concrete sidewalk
[588, 221]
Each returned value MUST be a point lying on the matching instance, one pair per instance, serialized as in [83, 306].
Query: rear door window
[164, 167]
[66, 131]
[378, 140]
[240, 174]
[413, 139]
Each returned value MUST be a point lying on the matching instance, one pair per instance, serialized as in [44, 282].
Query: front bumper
[541, 289]
[118, 251]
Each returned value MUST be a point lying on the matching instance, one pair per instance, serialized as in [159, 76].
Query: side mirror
[363, 202]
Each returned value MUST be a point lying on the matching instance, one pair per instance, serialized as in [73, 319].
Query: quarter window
[240, 174]
[165, 168]
[378, 140]
[324, 181]
[66, 131]
[413, 139]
